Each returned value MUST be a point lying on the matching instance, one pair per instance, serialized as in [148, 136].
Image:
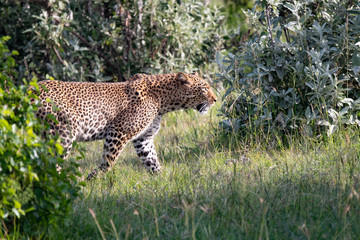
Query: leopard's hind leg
[58, 125]
[145, 148]
[114, 144]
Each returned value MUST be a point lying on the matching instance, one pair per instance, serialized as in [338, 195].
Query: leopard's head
[196, 92]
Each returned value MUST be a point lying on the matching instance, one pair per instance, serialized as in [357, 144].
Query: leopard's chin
[203, 108]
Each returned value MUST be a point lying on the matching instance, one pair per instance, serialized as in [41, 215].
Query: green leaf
[17, 205]
[82, 183]
[34, 84]
[4, 123]
[14, 52]
[59, 148]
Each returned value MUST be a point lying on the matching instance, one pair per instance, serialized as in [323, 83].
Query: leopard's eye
[205, 90]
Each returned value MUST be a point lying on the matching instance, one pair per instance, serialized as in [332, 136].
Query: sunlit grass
[206, 191]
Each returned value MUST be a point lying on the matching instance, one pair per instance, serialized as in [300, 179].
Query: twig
[6, 230]
[163, 43]
[58, 56]
[286, 31]
[268, 21]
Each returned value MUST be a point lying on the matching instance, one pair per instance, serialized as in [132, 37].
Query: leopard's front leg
[121, 131]
[144, 146]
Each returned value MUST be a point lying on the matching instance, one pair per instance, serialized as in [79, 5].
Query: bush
[112, 40]
[32, 193]
[298, 71]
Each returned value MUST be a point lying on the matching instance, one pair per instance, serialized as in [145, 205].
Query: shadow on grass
[237, 202]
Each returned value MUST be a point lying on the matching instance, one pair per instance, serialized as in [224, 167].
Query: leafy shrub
[32, 193]
[299, 68]
[235, 16]
[111, 40]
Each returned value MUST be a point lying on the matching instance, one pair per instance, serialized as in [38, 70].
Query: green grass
[212, 189]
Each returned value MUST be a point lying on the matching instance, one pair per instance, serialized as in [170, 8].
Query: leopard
[120, 112]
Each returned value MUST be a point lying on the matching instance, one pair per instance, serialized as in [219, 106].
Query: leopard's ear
[183, 79]
[195, 73]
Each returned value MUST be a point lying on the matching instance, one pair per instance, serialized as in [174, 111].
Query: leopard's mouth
[203, 108]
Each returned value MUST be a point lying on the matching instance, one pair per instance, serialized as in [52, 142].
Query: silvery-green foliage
[299, 67]
[111, 40]
[193, 33]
